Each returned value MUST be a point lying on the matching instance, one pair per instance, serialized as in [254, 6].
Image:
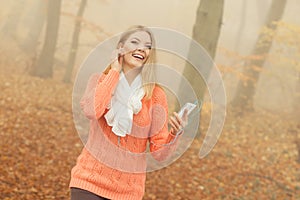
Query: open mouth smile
[138, 56]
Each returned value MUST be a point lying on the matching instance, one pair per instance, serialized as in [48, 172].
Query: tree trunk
[74, 45]
[297, 115]
[44, 65]
[296, 101]
[206, 32]
[36, 24]
[13, 18]
[246, 89]
[241, 26]
[261, 7]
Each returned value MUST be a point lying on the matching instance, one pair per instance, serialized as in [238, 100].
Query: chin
[136, 64]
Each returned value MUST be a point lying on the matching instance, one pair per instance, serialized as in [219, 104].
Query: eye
[149, 46]
[134, 41]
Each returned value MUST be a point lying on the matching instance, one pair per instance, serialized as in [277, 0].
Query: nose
[141, 48]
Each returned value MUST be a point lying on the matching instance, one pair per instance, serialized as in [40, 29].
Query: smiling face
[137, 49]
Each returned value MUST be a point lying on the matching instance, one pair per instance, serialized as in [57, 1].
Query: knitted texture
[114, 178]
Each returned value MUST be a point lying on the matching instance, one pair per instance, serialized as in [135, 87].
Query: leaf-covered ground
[255, 157]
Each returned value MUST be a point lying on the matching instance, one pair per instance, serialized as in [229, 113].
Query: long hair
[148, 69]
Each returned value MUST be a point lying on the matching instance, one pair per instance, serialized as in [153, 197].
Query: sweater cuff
[174, 137]
[177, 134]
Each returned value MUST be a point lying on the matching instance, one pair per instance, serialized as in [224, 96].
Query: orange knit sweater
[105, 165]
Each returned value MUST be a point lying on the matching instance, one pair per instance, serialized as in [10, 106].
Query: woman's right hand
[117, 59]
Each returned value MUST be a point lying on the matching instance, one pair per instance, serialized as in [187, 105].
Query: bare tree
[297, 115]
[36, 23]
[246, 89]
[10, 26]
[261, 7]
[241, 25]
[74, 45]
[206, 32]
[44, 65]
[297, 98]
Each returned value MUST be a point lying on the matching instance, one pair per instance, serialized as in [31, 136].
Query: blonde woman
[130, 111]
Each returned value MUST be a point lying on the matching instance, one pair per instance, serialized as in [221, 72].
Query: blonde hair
[148, 69]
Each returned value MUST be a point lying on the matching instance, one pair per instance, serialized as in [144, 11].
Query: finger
[121, 60]
[123, 51]
[175, 123]
[173, 127]
[172, 124]
[178, 118]
[117, 53]
[183, 120]
[114, 55]
[172, 130]
[120, 51]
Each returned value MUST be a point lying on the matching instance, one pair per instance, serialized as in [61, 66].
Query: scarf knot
[125, 102]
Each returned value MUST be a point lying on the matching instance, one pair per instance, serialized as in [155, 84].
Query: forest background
[255, 45]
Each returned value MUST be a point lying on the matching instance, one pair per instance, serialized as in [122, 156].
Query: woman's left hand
[178, 123]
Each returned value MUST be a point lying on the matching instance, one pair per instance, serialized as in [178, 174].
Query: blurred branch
[44, 65]
[246, 91]
[74, 45]
[89, 25]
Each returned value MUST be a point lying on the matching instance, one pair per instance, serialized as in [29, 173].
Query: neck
[131, 73]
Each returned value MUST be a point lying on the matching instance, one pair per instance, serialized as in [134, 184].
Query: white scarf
[125, 102]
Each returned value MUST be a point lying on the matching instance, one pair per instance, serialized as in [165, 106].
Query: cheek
[129, 47]
[127, 57]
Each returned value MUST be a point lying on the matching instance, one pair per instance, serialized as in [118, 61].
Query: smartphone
[189, 106]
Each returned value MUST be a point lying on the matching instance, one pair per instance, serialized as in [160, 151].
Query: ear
[120, 45]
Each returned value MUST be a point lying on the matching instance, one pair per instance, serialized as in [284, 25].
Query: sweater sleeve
[162, 141]
[98, 93]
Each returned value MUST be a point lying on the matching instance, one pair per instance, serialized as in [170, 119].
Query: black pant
[80, 194]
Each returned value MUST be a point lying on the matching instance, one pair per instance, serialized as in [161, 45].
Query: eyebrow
[140, 40]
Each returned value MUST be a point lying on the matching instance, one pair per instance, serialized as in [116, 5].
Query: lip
[138, 56]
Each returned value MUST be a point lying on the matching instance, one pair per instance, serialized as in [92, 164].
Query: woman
[128, 109]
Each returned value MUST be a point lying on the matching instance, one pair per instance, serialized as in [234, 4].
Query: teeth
[138, 56]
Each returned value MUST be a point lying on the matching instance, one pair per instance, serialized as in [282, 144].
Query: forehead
[141, 35]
